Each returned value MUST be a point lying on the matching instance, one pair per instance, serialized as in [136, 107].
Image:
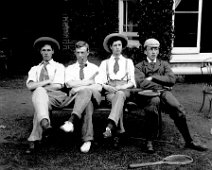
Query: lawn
[61, 151]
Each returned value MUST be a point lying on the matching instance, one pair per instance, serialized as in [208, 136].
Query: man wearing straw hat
[116, 74]
[45, 81]
[154, 74]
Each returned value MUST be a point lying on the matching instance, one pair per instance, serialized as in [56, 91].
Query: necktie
[152, 64]
[81, 73]
[116, 65]
[44, 73]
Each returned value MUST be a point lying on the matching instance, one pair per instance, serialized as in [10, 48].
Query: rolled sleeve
[131, 69]
[32, 75]
[59, 76]
[101, 78]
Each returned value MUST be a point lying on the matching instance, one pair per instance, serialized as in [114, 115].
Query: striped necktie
[81, 72]
[44, 73]
[116, 65]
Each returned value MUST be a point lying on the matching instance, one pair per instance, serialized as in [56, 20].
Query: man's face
[152, 52]
[81, 54]
[47, 52]
[116, 47]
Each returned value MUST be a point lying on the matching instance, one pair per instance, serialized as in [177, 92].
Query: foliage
[92, 22]
[96, 19]
[155, 20]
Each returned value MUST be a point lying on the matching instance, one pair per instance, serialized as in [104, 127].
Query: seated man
[116, 74]
[155, 74]
[45, 81]
[80, 77]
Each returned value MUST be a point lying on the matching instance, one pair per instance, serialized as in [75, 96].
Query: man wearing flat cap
[116, 74]
[45, 81]
[154, 74]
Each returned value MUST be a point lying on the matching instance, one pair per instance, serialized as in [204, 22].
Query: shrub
[155, 20]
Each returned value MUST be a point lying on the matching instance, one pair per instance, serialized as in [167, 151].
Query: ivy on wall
[155, 21]
[97, 18]
[92, 22]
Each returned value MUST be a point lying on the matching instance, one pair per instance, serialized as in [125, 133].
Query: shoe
[196, 146]
[149, 147]
[116, 142]
[107, 133]
[47, 129]
[85, 147]
[67, 127]
[47, 133]
[45, 124]
[31, 147]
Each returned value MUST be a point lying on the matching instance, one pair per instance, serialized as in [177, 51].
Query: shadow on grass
[61, 150]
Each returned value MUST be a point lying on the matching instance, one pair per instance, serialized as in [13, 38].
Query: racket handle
[137, 165]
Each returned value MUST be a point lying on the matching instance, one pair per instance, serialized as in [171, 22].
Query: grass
[61, 151]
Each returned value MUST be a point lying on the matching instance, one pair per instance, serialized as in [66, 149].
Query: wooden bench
[133, 116]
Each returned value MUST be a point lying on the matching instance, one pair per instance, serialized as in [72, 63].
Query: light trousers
[42, 102]
[117, 100]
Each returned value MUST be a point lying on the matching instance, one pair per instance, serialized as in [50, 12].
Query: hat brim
[109, 38]
[46, 40]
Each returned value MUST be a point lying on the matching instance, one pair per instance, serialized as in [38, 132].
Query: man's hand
[110, 88]
[76, 89]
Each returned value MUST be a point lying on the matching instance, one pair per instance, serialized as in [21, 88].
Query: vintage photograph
[105, 85]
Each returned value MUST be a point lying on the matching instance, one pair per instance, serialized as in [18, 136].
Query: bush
[155, 20]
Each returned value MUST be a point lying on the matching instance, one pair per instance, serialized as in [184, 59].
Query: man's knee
[155, 101]
[38, 93]
[85, 92]
[121, 94]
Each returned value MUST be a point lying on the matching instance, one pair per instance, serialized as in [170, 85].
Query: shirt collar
[113, 57]
[149, 61]
[50, 62]
[79, 64]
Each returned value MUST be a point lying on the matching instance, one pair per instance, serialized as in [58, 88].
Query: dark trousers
[171, 106]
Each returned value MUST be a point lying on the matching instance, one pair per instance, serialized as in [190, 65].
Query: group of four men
[85, 81]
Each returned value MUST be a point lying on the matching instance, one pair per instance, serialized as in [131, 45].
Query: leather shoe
[196, 146]
[116, 142]
[45, 124]
[31, 147]
[149, 147]
[107, 133]
[46, 128]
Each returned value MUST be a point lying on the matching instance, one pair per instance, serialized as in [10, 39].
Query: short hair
[113, 39]
[80, 44]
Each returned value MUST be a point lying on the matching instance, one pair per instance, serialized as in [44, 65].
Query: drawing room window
[127, 21]
[186, 21]
[187, 24]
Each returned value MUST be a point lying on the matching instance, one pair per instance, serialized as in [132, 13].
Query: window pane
[130, 19]
[188, 5]
[186, 30]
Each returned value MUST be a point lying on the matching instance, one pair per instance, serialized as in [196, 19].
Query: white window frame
[121, 25]
[175, 50]
[191, 50]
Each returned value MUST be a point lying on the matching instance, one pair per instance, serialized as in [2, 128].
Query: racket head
[178, 159]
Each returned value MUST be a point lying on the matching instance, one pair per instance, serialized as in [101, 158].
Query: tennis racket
[170, 160]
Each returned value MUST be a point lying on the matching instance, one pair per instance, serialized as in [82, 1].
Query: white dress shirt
[72, 71]
[120, 75]
[55, 71]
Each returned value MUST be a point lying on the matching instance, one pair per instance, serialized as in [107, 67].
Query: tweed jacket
[161, 73]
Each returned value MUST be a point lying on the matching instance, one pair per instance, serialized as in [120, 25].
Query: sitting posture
[80, 78]
[154, 74]
[116, 75]
[45, 81]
